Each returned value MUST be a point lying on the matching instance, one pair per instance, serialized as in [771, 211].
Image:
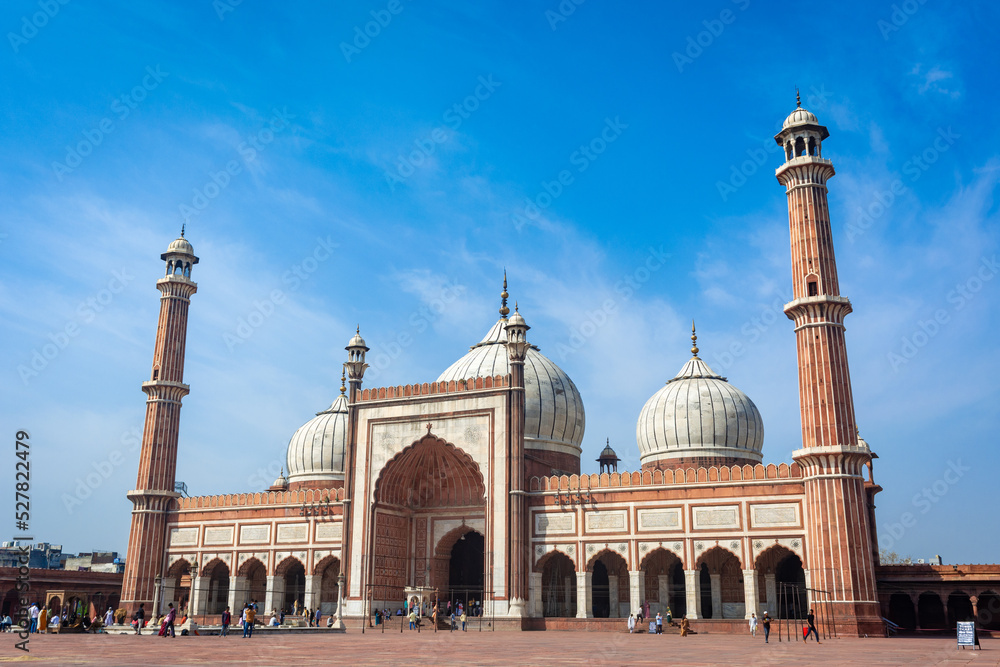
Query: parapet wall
[711, 475]
[430, 388]
[301, 497]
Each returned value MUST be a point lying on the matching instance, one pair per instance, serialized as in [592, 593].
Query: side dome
[699, 419]
[554, 419]
[316, 451]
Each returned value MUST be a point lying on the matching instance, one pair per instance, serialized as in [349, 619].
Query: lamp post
[338, 623]
[157, 582]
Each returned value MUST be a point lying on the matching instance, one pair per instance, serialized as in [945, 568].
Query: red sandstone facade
[441, 491]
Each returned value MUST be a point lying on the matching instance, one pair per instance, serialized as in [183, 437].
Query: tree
[886, 557]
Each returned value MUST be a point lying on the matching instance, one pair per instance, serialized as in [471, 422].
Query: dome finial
[504, 310]
[798, 98]
[694, 340]
[182, 229]
[343, 380]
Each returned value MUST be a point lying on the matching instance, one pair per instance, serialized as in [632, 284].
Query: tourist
[434, 617]
[251, 615]
[454, 624]
[413, 619]
[670, 617]
[765, 620]
[255, 608]
[43, 619]
[54, 622]
[274, 621]
[463, 618]
[168, 622]
[33, 613]
[659, 623]
[811, 620]
[6, 623]
[753, 625]
[631, 623]
[109, 617]
[139, 617]
[319, 615]
[281, 616]
[308, 616]
[227, 618]
[685, 626]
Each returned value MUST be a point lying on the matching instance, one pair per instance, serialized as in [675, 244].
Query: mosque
[469, 487]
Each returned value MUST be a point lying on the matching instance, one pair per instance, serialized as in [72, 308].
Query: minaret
[154, 487]
[838, 542]
[518, 554]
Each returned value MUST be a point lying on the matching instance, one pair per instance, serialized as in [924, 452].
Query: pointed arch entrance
[427, 486]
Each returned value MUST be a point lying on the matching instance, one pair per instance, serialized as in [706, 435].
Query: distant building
[43, 555]
[98, 561]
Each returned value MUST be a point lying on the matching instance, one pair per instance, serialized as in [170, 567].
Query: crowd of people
[656, 626]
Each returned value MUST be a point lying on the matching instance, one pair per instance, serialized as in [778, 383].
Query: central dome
[699, 419]
[316, 451]
[554, 418]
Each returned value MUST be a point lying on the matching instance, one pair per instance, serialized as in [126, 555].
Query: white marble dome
[800, 117]
[554, 419]
[699, 414]
[181, 245]
[316, 450]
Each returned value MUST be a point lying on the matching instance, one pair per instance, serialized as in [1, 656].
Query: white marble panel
[329, 532]
[292, 532]
[660, 519]
[775, 515]
[219, 535]
[725, 516]
[255, 534]
[181, 537]
[555, 523]
[605, 521]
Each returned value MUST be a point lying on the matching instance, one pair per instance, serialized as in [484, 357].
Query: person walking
[109, 617]
[413, 619]
[753, 625]
[811, 620]
[139, 617]
[251, 617]
[463, 619]
[319, 616]
[659, 623]
[670, 617]
[227, 618]
[631, 623]
[33, 613]
[766, 622]
[685, 626]
[43, 620]
[168, 622]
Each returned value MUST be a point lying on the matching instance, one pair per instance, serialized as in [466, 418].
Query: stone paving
[488, 648]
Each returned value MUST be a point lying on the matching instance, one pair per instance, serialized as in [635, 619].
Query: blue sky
[329, 178]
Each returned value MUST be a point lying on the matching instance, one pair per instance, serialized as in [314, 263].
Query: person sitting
[274, 621]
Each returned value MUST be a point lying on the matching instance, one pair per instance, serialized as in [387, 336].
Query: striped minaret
[839, 558]
[154, 487]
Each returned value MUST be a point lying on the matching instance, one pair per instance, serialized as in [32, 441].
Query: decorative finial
[694, 340]
[282, 473]
[182, 229]
[504, 310]
[515, 306]
[798, 98]
[358, 330]
[343, 380]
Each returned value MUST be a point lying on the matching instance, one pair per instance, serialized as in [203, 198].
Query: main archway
[431, 483]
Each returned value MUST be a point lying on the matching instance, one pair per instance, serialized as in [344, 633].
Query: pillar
[716, 583]
[915, 599]
[237, 593]
[169, 590]
[664, 592]
[615, 606]
[275, 595]
[750, 592]
[692, 587]
[584, 591]
[569, 583]
[535, 594]
[314, 584]
[198, 605]
[772, 594]
[636, 582]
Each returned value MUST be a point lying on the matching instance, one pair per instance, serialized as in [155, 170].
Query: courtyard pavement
[488, 648]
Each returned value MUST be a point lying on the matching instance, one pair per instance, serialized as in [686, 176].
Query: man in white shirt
[33, 612]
